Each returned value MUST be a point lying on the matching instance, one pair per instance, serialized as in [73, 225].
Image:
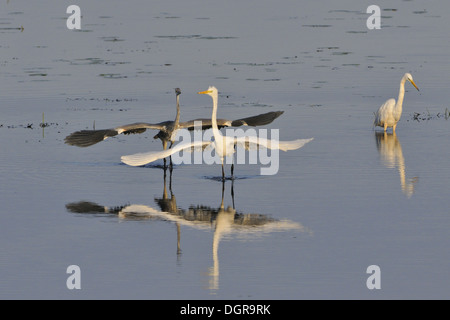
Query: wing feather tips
[86, 138]
[259, 120]
[293, 145]
[139, 159]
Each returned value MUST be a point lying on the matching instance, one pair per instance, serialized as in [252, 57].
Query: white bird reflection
[392, 157]
[224, 221]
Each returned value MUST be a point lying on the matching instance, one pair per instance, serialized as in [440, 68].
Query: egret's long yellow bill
[412, 82]
[205, 92]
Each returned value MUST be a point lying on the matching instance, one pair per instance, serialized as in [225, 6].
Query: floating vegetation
[36, 72]
[190, 36]
[112, 75]
[43, 124]
[251, 64]
[426, 116]
[341, 53]
[320, 49]
[111, 39]
[217, 38]
[256, 104]
[196, 36]
[317, 25]
[12, 28]
[344, 11]
[29, 125]
[94, 61]
[102, 99]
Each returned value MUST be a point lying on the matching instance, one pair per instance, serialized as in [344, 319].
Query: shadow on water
[225, 221]
[392, 157]
[220, 179]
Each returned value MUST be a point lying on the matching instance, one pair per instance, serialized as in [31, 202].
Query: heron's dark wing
[86, 138]
[91, 207]
[205, 124]
[259, 120]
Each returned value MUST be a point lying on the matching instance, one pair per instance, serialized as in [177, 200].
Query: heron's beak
[204, 92]
[412, 82]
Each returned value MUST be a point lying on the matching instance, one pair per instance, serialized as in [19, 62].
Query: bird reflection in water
[392, 157]
[224, 221]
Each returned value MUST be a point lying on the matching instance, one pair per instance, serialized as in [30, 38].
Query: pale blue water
[348, 200]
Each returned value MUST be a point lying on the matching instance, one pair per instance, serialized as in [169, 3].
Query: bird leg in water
[164, 143]
[223, 193]
[232, 192]
[232, 163]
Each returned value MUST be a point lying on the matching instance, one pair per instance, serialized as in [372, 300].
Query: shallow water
[351, 198]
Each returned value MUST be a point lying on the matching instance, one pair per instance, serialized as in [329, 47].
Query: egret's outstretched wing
[383, 112]
[86, 138]
[136, 210]
[258, 120]
[250, 142]
[140, 159]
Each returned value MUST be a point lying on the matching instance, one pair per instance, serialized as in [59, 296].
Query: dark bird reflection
[392, 157]
[225, 221]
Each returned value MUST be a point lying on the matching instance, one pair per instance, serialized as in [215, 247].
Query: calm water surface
[352, 198]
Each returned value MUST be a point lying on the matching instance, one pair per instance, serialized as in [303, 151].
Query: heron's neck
[177, 119]
[401, 95]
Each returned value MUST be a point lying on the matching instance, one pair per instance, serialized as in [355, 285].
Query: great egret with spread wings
[223, 145]
[390, 112]
[167, 129]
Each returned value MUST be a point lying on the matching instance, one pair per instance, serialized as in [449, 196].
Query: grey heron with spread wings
[167, 129]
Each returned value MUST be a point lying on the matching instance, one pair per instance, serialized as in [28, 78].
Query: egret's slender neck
[177, 119]
[401, 95]
[215, 128]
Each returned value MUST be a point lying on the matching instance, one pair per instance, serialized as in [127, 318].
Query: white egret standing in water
[390, 112]
[223, 145]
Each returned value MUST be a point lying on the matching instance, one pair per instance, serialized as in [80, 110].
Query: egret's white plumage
[223, 145]
[390, 112]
